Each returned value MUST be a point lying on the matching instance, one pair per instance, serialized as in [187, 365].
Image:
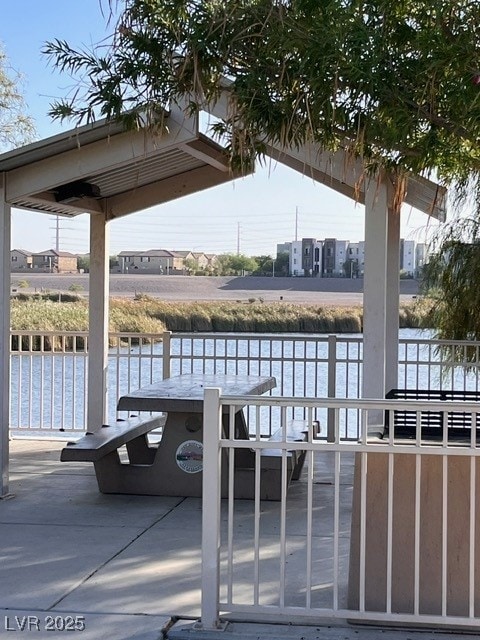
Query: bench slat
[93, 446]
[296, 431]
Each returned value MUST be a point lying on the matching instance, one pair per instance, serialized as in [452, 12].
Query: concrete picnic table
[178, 460]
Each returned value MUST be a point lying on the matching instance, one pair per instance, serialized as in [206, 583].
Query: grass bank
[150, 315]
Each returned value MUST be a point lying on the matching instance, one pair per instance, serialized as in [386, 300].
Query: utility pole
[296, 224]
[57, 234]
[238, 238]
[57, 228]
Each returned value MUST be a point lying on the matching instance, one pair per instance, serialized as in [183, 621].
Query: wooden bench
[459, 423]
[101, 447]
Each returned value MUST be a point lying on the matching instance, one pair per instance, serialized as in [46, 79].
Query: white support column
[211, 509]
[5, 229]
[393, 300]
[98, 322]
[375, 288]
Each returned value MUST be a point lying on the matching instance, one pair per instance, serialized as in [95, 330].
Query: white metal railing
[380, 530]
[49, 381]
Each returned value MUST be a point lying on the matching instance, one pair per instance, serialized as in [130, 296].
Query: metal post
[212, 426]
[166, 354]
[332, 383]
[5, 228]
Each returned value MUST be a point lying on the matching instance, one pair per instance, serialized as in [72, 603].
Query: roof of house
[53, 252]
[181, 254]
[158, 253]
[151, 253]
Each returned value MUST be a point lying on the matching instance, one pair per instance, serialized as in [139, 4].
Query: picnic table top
[184, 393]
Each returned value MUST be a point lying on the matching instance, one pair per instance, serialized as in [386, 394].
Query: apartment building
[305, 256]
[420, 257]
[407, 257]
[355, 264]
[333, 258]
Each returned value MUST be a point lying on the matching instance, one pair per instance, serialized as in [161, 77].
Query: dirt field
[331, 291]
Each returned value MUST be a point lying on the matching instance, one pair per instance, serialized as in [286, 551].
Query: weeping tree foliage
[451, 280]
[395, 83]
[16, 128]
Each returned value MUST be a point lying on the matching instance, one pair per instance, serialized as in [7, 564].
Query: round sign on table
[189, 456]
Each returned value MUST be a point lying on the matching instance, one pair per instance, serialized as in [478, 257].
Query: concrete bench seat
[271, 463]
[141, 474]
[101, 447]
[296, 431]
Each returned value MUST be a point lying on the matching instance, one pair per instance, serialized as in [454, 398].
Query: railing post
[166, 361]
[331, 385]
[5, 245]
[211, 492]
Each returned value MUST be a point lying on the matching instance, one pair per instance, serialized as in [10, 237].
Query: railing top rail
[41, 332]
[292, 337]
[314, 336]
[438, 342]
[210, 335]
[353, 403]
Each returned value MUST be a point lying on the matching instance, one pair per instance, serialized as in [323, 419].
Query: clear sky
[253, 213]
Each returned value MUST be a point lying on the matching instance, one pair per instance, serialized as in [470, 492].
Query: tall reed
[152, 316]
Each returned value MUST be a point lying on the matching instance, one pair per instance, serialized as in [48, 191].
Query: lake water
[48, 391]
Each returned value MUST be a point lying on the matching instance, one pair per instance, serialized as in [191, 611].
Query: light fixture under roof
[76, 190]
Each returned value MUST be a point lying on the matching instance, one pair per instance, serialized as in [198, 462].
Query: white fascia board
[342, 172]
[335, 170]
[208, 153]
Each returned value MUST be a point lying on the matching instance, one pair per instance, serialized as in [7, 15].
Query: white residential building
[356, 257]
[295, 259]
[407, 257]
[341, 247]
[332, 258]
[420, 257]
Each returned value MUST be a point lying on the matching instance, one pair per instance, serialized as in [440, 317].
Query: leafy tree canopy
[232, 264]
[396, 82]
[16, 128]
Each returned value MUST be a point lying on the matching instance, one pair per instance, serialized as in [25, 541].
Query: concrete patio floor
[125, 565]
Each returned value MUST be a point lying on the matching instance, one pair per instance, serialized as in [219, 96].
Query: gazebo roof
[100, 168]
